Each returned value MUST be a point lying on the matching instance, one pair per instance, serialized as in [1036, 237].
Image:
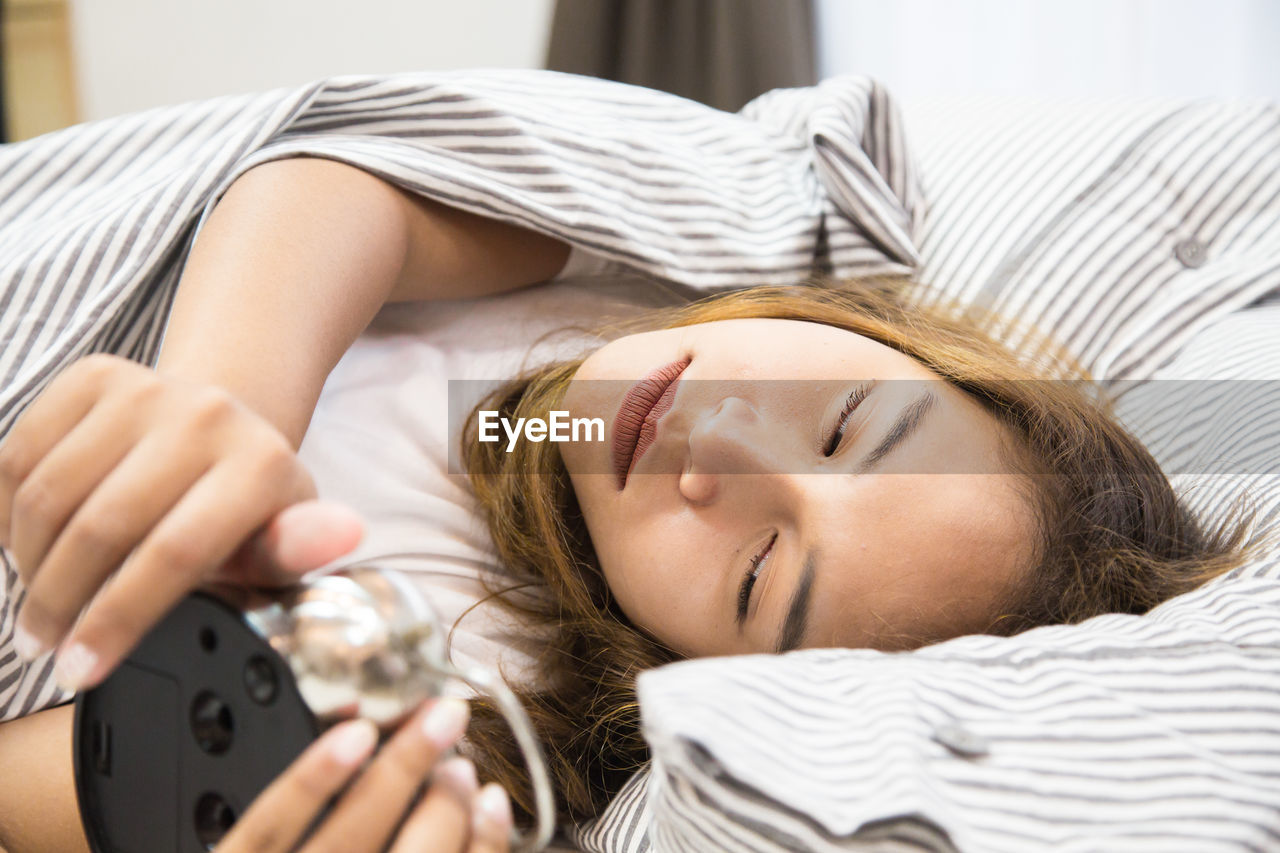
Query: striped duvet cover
[1144, 235]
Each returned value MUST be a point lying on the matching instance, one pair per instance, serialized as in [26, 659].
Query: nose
[729, 441]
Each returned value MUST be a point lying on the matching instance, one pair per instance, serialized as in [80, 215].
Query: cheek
[640, 571]
[649, 570]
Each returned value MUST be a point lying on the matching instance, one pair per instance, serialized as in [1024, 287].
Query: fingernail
[492, 805]
[73, 666]
[26, 644]
[314, 533]
[445, 722]
[460, 775]
[353, 742]
[298, 532]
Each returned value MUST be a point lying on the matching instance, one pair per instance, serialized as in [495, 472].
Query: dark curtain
[720, 52]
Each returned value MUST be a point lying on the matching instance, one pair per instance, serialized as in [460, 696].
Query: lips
[636, 425]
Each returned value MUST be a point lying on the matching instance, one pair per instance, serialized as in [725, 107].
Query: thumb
[299, 538]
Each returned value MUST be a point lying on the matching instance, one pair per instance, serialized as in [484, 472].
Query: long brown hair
[1113, 536]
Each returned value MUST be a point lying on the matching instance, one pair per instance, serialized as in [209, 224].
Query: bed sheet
[1126, 229]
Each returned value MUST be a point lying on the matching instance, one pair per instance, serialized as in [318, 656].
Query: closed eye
[749, 580]
[851, 403]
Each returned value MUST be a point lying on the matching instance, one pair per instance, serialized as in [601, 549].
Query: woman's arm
[37, 786]
[297, 258]
[35, 753]
[293, 263]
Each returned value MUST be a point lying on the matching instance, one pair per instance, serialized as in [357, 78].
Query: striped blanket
[1145, 235]
[96, 220]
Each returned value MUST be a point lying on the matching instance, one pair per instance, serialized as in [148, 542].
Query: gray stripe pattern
[96, 220]
[1126, 733]
[1158, 732]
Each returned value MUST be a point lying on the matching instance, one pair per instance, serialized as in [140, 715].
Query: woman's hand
[451, 816]
[117, 467]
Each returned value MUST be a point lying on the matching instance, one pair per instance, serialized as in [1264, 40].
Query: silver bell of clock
[364, 642]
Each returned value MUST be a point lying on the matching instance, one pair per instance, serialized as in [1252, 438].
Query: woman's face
[737, 528]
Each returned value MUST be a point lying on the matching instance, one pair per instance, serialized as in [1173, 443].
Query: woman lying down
[978, 499]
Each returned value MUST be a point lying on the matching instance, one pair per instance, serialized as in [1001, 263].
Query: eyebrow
[907, 423]
[797, 621]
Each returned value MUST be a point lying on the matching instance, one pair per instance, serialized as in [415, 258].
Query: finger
[491, 821]
[442, 820]
[369, 812]
[281, 814]
[302, 537]
[64, 476]
[62, 405]
[198, 533]
[113, 517]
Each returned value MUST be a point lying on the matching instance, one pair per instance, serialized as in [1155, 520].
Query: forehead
[925, 558]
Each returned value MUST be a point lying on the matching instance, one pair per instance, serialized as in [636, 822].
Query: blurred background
[66, 61]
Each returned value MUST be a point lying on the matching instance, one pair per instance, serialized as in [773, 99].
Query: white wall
[1056, 47]
[133, 54]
